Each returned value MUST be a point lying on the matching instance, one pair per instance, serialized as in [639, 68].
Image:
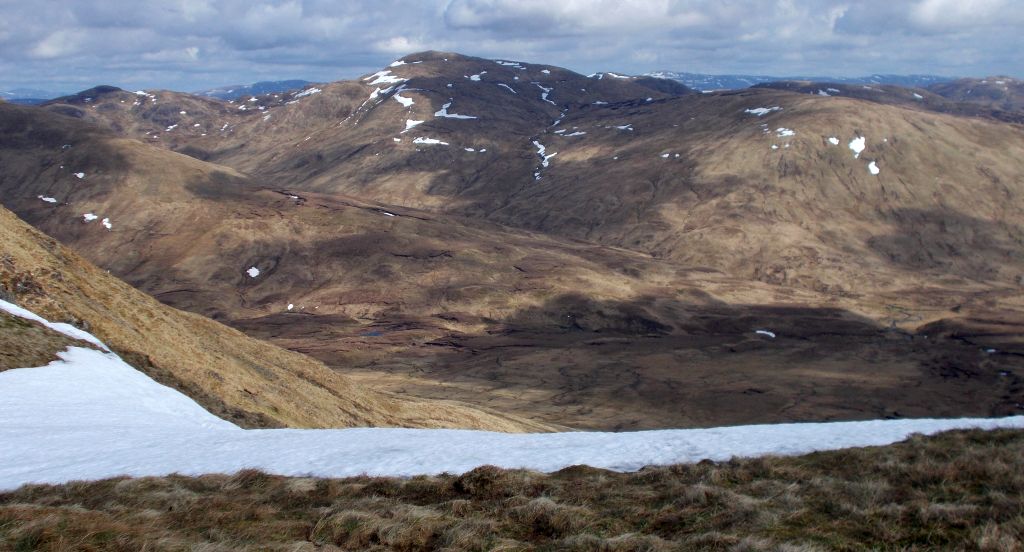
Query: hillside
[690, 178]
[246, 381]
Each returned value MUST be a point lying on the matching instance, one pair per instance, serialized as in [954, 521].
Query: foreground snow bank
[90, 416]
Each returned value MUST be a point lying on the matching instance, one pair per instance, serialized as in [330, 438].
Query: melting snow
[476, 78]
[253, 272]
[833, 140]
[397, 139]
[79, 174]
[291, 306]
[47, 199]
[396, 63]
[89, 217]
[409, 123]
[783, 132]
[545, 71]
[310, 92]
[106, 223]
[833, 90]
[407, 102]
[544, 93]
[383, 77]
[918, 96]
[617, 76]
[759, 111]
[823, 93]
[766, 332]
[577, 133]
[515, 64]
[540, 151]
[509, 88]
[170, 128]
[628, 127]
[429, 141]
[443, 112]
[873, 168]
[857, 145]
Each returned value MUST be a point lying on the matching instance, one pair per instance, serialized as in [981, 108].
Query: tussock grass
[961, 490]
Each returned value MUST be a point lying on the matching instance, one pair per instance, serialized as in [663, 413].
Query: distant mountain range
[236, 91]
[28, 95]
[704, 82]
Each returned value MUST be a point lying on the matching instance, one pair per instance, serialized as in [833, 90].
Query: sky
[189, 45]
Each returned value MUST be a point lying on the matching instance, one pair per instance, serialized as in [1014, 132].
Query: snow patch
[253, 272]
[429, 141]
[783, 132]
[47, 199]
[407, 102]
[309, 92]
[410, 123]
[544, 93]
[918, 96]
[79, 175]
[106, 223]
[89, 217]
[514, 64]
[873, 168]
[766, 333]
[507, 87]
[443, 112]
[857, 145]
[761, 111]
[383, 77]
[833, 140]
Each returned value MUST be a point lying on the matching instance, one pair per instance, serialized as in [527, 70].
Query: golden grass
[961, 490]
[247, 381]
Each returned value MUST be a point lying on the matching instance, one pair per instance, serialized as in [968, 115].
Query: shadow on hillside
[952, 243]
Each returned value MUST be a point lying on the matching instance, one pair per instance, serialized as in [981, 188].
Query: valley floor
[961, 490]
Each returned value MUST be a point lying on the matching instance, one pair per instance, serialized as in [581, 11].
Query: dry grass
[960, 490]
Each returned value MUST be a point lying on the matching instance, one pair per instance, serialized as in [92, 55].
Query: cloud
[193, 44]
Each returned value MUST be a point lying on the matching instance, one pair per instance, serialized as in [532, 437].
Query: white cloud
[959, 14]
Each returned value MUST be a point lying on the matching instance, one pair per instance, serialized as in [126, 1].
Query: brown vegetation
[960, 490]
[241, 379]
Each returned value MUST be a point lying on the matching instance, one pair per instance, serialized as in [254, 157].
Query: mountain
[997, 103]
[239, 91]
[244, 380]
[709, 83]
[563, 247]
[997, 93]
